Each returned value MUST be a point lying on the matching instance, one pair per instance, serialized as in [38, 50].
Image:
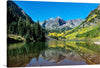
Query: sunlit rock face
[59, 24]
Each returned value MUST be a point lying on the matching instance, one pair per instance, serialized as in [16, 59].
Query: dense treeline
[19, 23]
[31, 32]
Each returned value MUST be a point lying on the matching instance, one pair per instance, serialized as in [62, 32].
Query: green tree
[13, 27]
[21, 26]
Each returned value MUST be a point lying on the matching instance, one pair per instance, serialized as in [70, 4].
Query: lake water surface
[53, 53]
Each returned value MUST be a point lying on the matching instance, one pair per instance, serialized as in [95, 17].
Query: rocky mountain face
[71, 23]
[59, 24]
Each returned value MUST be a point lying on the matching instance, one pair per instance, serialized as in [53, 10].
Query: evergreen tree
[21, 26]
[13, 28]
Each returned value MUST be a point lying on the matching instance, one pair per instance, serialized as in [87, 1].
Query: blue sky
[45, 10]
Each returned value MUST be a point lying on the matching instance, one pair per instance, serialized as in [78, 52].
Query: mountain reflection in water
[53, 53]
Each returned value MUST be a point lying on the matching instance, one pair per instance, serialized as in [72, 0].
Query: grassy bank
[11, 38]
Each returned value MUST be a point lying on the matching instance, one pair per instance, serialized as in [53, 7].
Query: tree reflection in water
[54, 53]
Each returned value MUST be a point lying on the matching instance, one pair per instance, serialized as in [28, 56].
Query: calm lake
[53, 53]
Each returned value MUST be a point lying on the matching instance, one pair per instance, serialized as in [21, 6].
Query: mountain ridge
[89, 29]
[17, 12]
[59, 24]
